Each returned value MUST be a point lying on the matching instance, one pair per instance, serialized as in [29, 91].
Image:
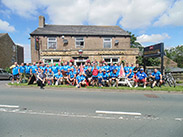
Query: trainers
[144, 86]
[12, 82]
[136, 86]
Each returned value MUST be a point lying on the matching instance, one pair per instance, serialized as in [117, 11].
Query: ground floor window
[112, 59]
[47, 61]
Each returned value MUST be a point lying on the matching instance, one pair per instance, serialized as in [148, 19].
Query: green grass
[163, 88]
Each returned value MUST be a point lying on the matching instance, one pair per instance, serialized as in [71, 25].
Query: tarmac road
[31, 112]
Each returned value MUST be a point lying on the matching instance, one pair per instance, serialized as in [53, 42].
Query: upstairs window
[52, 43]
[79, 42]
[107, 42]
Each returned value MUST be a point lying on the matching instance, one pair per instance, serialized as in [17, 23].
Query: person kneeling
[80, 80]
[157, 78]
[141, 77]
[105, 80]
[58, 78]
[114, 78]
[41, 79]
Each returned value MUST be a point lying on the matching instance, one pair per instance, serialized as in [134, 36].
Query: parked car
[5, 75]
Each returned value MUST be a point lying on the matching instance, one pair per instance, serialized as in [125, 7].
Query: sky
[152, 21]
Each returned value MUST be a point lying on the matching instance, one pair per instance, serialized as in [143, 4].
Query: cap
[141, 69]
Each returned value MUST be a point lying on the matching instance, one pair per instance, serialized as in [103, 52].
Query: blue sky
[152, 21]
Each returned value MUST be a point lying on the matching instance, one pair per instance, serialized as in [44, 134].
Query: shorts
[95, 78]
[140, 81]
[27, 75]
[16, 76]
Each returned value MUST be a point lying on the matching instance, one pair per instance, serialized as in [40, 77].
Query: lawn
[162, 88]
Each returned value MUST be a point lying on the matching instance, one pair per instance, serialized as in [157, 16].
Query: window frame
[79, 46]
[49, 41]
[104, 38]
[111, 58]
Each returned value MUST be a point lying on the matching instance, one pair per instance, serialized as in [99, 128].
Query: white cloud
[173, 16]
[5, 26]
[134, 13]
[152, 38]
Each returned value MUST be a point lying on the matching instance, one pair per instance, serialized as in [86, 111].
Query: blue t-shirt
[132, 68]
[80, 78]
[157, 75]
[58, 76]
[126, 69]
[65, 68]
[22, 69]
[43, 68]
[105, 76]
[27, 69]
[100, 75]
[55, 69]
[112, 68]
[131, 75]
[142, 75]
[72, 74]
[114, 75]
[15, 70]
[34, 68]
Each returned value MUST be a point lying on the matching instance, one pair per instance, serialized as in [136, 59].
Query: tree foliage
[176, 54]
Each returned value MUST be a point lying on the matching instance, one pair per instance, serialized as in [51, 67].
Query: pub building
[56, 43]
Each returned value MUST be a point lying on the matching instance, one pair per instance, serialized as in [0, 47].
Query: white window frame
[104, 41]
[79, 46]
[51, 39]
[111, 59]
[51, 60]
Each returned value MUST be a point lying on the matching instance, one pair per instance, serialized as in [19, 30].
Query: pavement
[32, 112]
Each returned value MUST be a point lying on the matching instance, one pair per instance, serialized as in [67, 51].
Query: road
[32, 112]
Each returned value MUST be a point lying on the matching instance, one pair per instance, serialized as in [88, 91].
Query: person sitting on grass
[58, 78]
[141, 77]
[100, 77]
[80, 80]
[72, 77]
[113, 78]
[41, 78]
[95, 76]
[157, 78]
[49, 77]
[105, 78]
[130, 75]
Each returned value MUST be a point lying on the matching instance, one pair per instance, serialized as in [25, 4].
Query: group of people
[89, 74]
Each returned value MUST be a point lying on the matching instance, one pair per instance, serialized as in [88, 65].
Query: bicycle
[168, 78]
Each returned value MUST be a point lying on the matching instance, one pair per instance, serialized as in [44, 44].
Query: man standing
[15, 72]
[22, 72]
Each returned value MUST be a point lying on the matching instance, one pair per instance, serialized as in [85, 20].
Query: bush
[7, 69]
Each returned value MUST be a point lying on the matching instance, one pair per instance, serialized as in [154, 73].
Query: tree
[176, 54]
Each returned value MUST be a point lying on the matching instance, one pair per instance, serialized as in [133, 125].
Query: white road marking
[118, 113]
[8, 106]
[179, 119]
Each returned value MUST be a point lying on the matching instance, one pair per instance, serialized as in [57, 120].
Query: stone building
[54, 43]
[9, 51]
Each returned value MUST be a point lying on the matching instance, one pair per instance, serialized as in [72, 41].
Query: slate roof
[81, 30]
[2, 34]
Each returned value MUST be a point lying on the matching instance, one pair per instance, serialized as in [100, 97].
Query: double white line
[118, 113]
[8, 106]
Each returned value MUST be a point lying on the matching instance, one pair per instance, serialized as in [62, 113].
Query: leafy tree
[176, 54]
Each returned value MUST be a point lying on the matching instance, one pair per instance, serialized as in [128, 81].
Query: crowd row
[90, 74]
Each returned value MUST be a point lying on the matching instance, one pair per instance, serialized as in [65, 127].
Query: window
[107, 42]
[111, 60]
[52, 43]
[56, 60]
[48, 61]
[79, 42]
[14, 48]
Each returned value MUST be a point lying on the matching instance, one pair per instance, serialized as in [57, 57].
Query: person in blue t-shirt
[43, 67]
[114, 77]
[55, 68]
[126, 68]
[132, 67]
[22, 71]
[80, 80]
[141, 77]
[157, 78]
[72, 77]
[130, 75]
[50, 77]
[34, 68]
[28, 71]
[15, 73]
[58, 78]
[100, 77]
[112, 67]
[105, 78]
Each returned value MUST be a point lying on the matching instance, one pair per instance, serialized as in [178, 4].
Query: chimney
[41, 21]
